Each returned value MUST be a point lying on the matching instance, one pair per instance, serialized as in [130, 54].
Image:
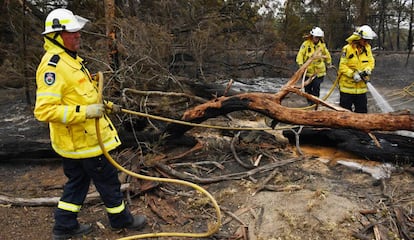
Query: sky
[272, 4]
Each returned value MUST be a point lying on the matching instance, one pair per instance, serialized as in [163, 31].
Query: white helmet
[63, 20]
[317, 32]
[366, 32]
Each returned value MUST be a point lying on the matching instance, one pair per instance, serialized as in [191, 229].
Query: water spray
[385, 106]
[379, 99]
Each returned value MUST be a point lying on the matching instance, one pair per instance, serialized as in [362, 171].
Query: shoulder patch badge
[50, 78]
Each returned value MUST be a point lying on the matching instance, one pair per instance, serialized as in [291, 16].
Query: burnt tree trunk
[392, 148]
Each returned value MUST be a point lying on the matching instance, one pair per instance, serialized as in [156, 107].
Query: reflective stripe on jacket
[64, 89]
[353, 60]
[307, 49]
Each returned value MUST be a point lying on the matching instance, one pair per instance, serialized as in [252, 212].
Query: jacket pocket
[84, 135]
[79, 136]
[87, 93]
[61, 137]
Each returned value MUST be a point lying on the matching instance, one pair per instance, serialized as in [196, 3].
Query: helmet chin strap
[54, 41]
[56, 35]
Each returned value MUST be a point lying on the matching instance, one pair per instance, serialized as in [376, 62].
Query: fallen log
[47, 201]
[269, 104]
[393, 148]
[23, 137]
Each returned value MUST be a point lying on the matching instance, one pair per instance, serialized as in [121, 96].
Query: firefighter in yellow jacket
[317, 69]
[355, 67]
[66, 98]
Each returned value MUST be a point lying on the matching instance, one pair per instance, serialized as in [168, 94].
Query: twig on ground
[233, 150]
[232, 176]
[233, 216]
[401, 224]
[262, 184]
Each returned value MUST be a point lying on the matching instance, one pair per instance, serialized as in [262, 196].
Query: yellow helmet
[63, 20]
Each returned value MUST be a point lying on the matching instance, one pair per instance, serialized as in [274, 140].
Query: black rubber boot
[138, 223]
[83, 229]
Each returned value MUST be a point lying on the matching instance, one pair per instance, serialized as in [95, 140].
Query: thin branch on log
[159, 93]
[374, 138]
[229, 84]
[316, 100]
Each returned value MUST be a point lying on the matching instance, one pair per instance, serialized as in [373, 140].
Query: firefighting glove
[116, 108]
[367, 72]
[365, 75]
[111, 107]
[95, 110]
[357, 77]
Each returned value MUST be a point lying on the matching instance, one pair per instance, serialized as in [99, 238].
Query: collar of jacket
[57, 48]
[310, 42]
[54, 44]
[361, 49]
[352, 38]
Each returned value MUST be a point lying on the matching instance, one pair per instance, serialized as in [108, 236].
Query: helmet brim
[81, 23]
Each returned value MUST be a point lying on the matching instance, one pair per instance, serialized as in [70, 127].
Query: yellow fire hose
[335, 83]
[211, 229]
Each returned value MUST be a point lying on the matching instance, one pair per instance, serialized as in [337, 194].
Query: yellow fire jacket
[64, 89]
[307, 49]
[354, 59]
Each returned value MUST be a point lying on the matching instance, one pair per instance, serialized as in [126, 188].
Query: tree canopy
[157, 41]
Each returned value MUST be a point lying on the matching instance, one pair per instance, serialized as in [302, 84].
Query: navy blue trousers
[314, 87]
[358, 101]
[104, 175]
